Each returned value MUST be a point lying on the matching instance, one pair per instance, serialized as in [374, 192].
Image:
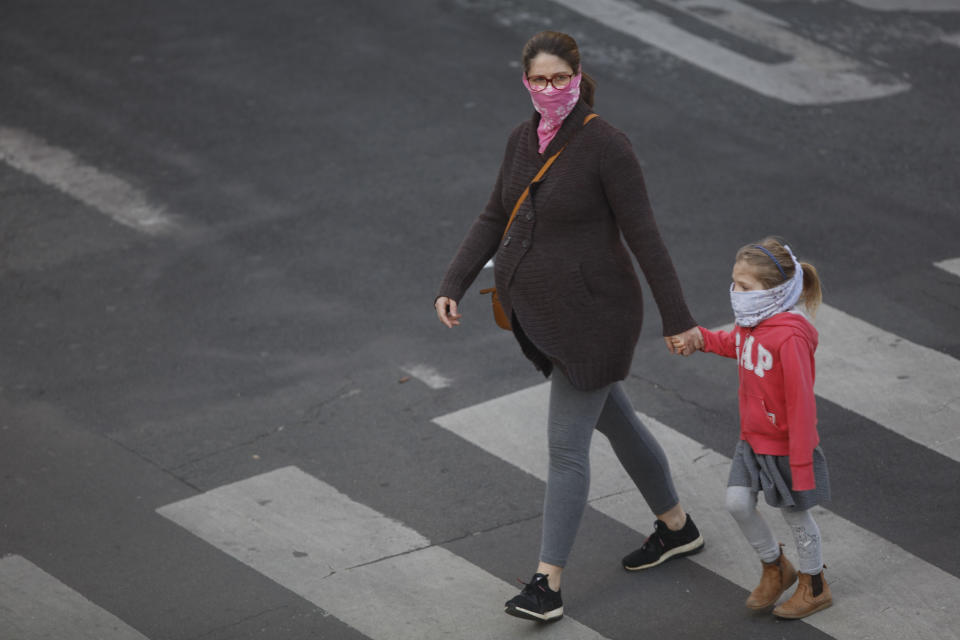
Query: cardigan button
[529, 217]
[525, 244]
[507, 241]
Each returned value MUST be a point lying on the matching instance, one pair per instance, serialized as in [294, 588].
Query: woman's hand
[685, 343]
[447, 311]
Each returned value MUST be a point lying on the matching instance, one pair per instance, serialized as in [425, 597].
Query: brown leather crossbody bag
[499, 315]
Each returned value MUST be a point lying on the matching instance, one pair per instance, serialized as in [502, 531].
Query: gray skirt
[771, 474]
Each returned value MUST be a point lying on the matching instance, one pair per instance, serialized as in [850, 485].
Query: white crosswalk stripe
[882, 591]
[427, 375]
[905, 387]
[36, 606]
[814, 74]
[909, 5]
[104, 192]
[373, 573]
[952, 265]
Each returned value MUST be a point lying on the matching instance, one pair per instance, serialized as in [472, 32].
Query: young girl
[778, 451]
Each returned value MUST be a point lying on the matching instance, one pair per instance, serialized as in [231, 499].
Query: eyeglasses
[558, 80]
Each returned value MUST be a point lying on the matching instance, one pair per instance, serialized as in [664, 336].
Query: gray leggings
[742, 505]
[574, 414]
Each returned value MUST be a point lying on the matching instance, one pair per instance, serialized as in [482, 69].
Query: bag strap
[543, 170]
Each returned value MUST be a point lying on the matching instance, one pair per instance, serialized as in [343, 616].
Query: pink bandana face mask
[553, 105]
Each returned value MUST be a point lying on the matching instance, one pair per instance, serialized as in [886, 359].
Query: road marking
[427, 375]
[814, 75]
[952, 265]
[36, 606]
[909, 5]
[881, 590]
[60, 169]
[951, 38]
[904, 387]
[369, 571]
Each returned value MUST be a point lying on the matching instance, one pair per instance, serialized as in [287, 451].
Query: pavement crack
[440, 543]
[941, 299]
[480, 532]
[622, 492]
[153, 463]
[237, 623]
[345, 391]
[946, 405]
[313, 412]
[239, 445]
[389, 557]
[676, 394]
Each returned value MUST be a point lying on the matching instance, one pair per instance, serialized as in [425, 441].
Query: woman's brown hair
[564, 47]
[766, 272]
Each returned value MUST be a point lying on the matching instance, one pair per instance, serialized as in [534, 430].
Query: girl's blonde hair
[766, 272]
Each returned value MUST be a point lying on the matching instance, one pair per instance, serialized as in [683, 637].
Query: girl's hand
[685, 343]
[447, 311]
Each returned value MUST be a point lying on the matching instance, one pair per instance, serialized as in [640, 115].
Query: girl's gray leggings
[574, 414]
[742, 505]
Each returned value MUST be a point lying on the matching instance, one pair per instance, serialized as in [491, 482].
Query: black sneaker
[664, 544]
[537, 601]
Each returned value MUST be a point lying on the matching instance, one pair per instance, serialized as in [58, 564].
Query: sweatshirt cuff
[803, 479]
[711, 342]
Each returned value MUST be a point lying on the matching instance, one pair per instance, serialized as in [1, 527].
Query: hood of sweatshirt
[796, 322]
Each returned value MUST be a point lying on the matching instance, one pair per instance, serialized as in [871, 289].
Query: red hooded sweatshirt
[778, 411]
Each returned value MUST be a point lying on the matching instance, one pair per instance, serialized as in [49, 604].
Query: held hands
[685, 343]
[447, 311]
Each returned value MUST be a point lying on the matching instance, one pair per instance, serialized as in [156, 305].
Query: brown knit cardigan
[562, 273]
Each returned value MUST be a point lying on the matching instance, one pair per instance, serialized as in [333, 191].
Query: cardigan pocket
[580, 294]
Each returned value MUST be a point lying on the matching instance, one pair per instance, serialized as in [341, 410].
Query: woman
[568, 287]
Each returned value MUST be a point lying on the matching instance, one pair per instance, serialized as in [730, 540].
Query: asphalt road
[318, 164]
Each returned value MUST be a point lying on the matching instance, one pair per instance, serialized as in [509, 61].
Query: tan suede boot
[777, 578]
[812, 595]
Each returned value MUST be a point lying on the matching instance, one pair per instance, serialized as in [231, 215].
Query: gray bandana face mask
[750, 308]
